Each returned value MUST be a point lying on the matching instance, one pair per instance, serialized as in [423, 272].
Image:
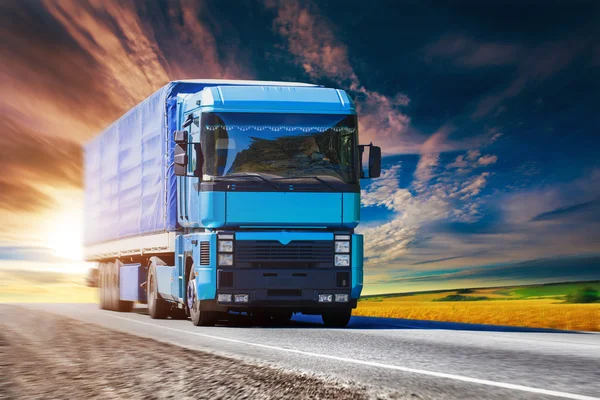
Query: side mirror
[188, 121]
[375, 162]
[181, 160]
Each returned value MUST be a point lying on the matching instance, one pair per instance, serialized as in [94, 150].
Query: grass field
[540, 306]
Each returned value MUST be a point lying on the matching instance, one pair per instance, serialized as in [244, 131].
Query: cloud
[36, 158]
[467, 52]
[472, 187]
[437, 193]
[313, 42]
[465, 163]
[591, 208]
[30, 253]
[311, 39]
[542, 270]
[70, 68]
[531, 64]
[487, 160]
[394, 239]
[437, 260]
[537, 64]
[17, 197]
[31, 163]
[78, 65]
[385, 190]
[430, 154]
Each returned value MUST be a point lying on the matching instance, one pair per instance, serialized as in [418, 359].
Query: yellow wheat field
[529, 313]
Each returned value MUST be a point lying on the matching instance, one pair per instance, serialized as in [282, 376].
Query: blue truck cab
[261, 193]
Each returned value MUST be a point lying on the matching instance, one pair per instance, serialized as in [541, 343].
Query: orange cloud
[69, 69]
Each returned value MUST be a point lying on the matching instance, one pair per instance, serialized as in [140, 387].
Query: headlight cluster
[225, 250]
[342, 251]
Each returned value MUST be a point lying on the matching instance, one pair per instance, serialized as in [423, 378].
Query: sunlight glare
[65, 230]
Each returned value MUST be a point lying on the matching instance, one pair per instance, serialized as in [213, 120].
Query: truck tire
[101, 285]
[337, 318]
[122, 306]
[199, 317]
[113, 289]
[107, 302]
[158, 308]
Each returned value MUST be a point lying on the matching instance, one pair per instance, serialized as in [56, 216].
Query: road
[393, 358]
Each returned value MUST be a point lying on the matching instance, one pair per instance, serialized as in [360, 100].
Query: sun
[64, 230]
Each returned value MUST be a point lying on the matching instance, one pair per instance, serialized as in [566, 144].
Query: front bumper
[285, 288]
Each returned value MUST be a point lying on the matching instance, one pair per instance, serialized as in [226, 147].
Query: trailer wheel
[157, 307]
[122, 306]
[102, 285]
[113, 289]
[106, 286]
[199, 317]
[337, 318]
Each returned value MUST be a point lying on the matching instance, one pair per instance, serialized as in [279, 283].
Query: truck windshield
[279, 145]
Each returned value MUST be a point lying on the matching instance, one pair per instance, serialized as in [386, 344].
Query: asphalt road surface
[391, 358]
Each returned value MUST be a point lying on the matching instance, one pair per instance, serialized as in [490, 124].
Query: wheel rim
[191, 294]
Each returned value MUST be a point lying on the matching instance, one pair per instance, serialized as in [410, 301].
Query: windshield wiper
[226, 178]
[307, 177]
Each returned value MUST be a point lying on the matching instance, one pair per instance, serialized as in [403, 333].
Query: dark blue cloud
[589, 209]
[556, 269]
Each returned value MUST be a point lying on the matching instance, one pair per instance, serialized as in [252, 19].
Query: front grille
[284, 292]
[298, 253]
[225, 279]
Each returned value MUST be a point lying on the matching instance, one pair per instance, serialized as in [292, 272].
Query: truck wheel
[122, 306]
[336, 318]
[157, 307]
[101, 285]
[199, 318]
[113, 288]
[107, 286]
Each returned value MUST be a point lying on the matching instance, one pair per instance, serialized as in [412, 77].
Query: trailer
[214, 197]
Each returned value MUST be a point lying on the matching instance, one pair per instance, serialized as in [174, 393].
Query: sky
[487, 115]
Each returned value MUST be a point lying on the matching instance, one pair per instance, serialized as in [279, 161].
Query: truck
[219, 197]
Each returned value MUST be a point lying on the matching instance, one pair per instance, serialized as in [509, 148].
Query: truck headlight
[225, 246]
[342, 260]
[225, 259]
[342, 247]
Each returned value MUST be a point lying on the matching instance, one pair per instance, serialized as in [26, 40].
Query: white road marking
[503, 385]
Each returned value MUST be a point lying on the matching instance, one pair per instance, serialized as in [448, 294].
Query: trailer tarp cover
[130, 188]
